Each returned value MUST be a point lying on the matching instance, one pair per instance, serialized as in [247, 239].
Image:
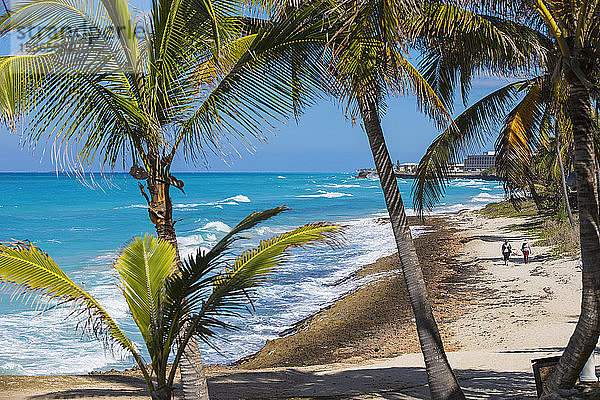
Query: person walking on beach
[506, 250]
[526, 250]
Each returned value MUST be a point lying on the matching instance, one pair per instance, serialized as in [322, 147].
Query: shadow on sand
[394, 383]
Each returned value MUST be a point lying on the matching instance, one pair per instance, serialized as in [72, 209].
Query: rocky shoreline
[375, 320]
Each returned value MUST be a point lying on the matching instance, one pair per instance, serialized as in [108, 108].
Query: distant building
[456, 167]
[480, 162]
[407, 168]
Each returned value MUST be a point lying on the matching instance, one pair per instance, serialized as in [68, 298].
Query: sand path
[525, 307]
[523, 312]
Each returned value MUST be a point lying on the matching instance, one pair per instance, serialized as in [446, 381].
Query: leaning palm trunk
[584, 338]
[563, 183]
[442, 382]
[160, 210]
[534, 195]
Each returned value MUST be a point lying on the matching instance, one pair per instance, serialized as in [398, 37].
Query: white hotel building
[480, 162]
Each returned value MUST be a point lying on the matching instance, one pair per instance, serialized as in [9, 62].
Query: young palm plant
[108, 87]
[170, 303]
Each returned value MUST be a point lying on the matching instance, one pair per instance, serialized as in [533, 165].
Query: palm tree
[569, 35]
[170, 304]
[550, 161]
[367, 66]
[187, 78]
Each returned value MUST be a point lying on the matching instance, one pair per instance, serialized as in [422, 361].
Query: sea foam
[329, 195]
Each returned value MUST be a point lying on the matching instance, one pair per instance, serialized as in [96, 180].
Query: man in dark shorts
[506, 250]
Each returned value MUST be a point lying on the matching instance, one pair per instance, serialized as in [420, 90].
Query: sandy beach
[494, 319]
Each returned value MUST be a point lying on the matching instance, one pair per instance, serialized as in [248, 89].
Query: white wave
[37, 343]
[11, 368]
[487, 198]
[240, 198]
[131, 206]
[329, 195]
[337, 185]
[190, 205]
[109, 296]
[217, 226]
[264, 230]
[281, 177]
[453, 208]
[87, 229]
[233, 201]
[190, 240]
[111, 256]
[469, 183]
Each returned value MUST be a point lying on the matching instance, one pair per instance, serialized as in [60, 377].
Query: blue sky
[322, 140]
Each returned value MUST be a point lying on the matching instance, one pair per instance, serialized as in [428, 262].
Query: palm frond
[143, 268]
[261, 88]
[26, 270]
[469, 132]
[516, 143]
[196, 274]
[213, 300]
[458, 43]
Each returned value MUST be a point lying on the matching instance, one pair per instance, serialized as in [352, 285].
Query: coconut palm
[566, 76]
[170, 304]
[110, 87]
[367, 65]
[551, 163]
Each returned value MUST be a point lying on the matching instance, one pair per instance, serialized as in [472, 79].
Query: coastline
[374, 320]
[493, 319]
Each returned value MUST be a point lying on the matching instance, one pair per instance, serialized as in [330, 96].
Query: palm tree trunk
[534, 195]
[563, 183]
[160, 210]
[164, 393]
[442, 381]
[584, 338]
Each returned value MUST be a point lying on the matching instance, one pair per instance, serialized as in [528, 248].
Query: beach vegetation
[552, 95]
[170, 302]
[507, 209]
[549, 229]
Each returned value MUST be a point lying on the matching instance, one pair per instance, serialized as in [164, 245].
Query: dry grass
[559, 235]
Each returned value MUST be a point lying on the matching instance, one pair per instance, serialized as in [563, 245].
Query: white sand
[526, 306]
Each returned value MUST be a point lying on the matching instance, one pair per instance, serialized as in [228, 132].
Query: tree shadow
[108, 393]
[393, 383]
[113, 386]
[499, 239]
[389, 383]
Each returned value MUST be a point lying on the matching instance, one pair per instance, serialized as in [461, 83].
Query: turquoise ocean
[82, 224]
